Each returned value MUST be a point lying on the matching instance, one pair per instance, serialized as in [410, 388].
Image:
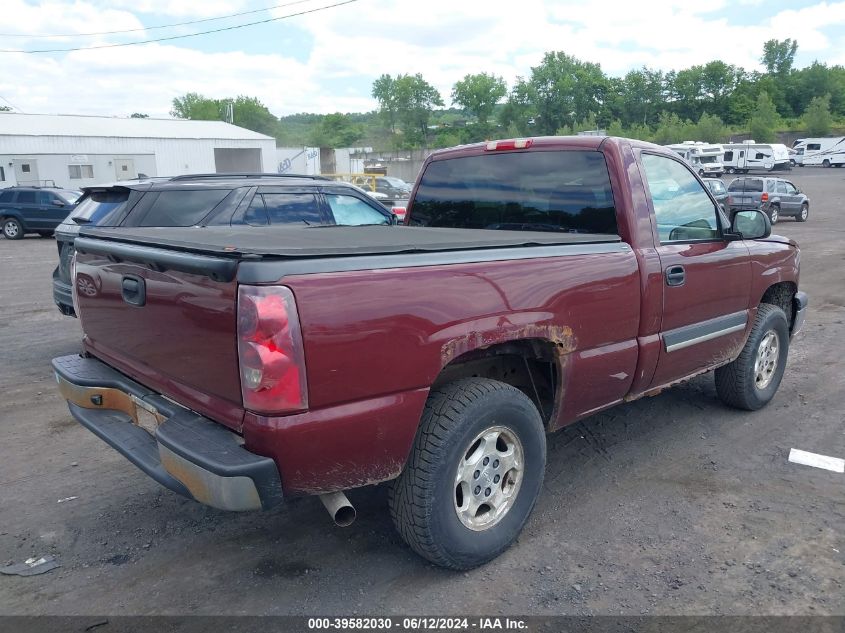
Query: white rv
[741, 157]
[828, 152]
[705, 158]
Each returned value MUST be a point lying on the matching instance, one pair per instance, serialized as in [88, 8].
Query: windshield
[70, 196]
[709, 159]
[397, 182]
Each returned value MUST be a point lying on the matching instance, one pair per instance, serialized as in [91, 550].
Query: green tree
[197, 107]
[415, 99]
[335, 130]
[710, 128]
[384, 91]
[519, 112]
[764, 119]
[817, 118]
[565, 89]
[479, 94]
[250, 113]
[778, 56]
[139, 115]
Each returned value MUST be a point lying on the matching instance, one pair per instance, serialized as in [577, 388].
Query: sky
[326, 61]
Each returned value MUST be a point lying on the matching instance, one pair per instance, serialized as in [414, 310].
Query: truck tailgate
[172, 331]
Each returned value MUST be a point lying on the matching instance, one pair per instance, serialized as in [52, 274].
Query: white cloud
[352, 44]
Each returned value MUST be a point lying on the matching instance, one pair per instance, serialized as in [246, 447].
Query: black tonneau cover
[333, 241]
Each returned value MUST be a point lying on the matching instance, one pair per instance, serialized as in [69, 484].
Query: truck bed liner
[334, 241]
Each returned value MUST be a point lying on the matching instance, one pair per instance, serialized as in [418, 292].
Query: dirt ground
[669, 505]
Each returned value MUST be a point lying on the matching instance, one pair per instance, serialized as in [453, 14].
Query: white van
[705, 158]
[741, 157]
[827, 152]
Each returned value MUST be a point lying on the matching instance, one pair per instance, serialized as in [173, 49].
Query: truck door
[706, 278]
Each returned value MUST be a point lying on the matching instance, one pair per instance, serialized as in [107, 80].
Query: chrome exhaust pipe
[343, 512]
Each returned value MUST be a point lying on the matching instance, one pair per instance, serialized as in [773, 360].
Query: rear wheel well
[530, 365]
[780, 295]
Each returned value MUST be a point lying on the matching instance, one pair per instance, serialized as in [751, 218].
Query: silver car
[775, 197]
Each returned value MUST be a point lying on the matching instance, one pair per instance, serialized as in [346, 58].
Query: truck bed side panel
[387, 334]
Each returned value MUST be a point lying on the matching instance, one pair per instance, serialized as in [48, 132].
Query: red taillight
[764, 197]
[514, 143]
[399, 212]
[272, 361]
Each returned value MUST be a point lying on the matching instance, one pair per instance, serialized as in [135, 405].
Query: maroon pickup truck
[536, 282]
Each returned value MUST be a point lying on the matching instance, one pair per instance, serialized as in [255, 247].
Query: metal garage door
[237, 159]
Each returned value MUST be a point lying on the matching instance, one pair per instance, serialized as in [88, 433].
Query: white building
[74, 151]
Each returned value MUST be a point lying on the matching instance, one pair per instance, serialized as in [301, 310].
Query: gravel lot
[669, 505]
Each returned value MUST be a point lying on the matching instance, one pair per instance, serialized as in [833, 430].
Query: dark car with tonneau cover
[537, 281]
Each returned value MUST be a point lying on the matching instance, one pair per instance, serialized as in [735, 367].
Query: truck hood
[780, 239]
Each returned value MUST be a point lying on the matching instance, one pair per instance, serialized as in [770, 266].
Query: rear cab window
[7, 197]
[553, 191]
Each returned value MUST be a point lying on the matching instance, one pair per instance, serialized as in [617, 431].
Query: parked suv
[34, 210]
[212, 200]
[776, 197]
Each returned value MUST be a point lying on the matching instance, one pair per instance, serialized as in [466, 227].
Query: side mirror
[58, 203]
[751, 225]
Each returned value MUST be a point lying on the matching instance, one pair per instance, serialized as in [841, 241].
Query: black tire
[774, 214]
[803, 214]
[424, 499]
[825, 163]
[701, 173]
[730, 170]
[736, 383]
[12, 229]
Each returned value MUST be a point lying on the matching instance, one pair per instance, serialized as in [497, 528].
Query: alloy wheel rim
[488, 478]
[774, 215]
[766, 362]
[11, 230]
[804, 212]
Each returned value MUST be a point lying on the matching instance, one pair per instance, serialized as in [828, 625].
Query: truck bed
[334, 241]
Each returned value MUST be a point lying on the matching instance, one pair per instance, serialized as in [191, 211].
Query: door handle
[134, 290]
[675, 276]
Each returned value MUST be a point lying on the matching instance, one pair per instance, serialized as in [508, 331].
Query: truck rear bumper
[180, 449]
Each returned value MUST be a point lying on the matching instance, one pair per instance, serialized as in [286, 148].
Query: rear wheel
[752, 380]
[804, 213]
[774, 214]
[473, 475]
[12, 229]
[701, 173]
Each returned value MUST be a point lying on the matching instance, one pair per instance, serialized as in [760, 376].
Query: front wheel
[825, 163]
[730, 170]
[804, 213]
[473, 475]
[12, 229]
[752, 380]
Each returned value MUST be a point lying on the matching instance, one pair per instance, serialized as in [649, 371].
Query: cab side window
[782, 187]
[683, 210]
[790, 188]
[350, 211]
